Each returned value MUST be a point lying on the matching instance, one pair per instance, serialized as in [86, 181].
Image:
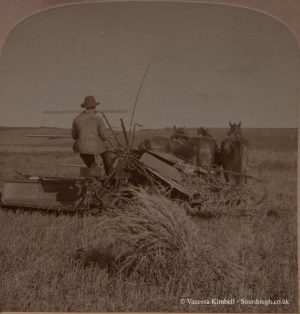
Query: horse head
[235, 129]
[203, 132]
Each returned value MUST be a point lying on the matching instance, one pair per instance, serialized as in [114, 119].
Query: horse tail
[226, 151]
[206, 152]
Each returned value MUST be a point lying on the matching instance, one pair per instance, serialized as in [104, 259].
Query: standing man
[90, 136]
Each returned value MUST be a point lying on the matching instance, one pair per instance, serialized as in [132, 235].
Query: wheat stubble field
[64, 263]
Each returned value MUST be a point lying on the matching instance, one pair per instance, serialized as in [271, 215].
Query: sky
[212, 64]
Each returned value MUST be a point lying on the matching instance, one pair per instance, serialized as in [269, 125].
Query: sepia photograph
[148, 156]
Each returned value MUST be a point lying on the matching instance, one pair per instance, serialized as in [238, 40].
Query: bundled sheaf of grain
[157, 243]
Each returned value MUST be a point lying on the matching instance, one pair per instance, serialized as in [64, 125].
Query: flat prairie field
[234, 257]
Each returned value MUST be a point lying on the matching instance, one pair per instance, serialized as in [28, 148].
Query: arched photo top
[213, 63]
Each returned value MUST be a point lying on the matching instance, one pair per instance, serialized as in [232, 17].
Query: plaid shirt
[89, 132]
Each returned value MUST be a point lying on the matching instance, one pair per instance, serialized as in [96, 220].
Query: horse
[179, 133]
[206, 149]
[179, 147]
[167, 145]
[234, 155]
[200, 151]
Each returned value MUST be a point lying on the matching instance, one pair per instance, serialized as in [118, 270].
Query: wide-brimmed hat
[90, 102]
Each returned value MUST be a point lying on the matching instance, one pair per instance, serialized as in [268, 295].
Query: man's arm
[74, 131]
[102, 130]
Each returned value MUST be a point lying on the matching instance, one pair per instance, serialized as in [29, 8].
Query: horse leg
[226, 176]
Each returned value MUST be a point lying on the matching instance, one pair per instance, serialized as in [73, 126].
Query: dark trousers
[90, 161]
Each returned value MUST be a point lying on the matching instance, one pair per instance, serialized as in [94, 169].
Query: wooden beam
[78, 111]
[49, 135]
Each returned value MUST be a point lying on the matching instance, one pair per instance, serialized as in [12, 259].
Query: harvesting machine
[92, 190]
